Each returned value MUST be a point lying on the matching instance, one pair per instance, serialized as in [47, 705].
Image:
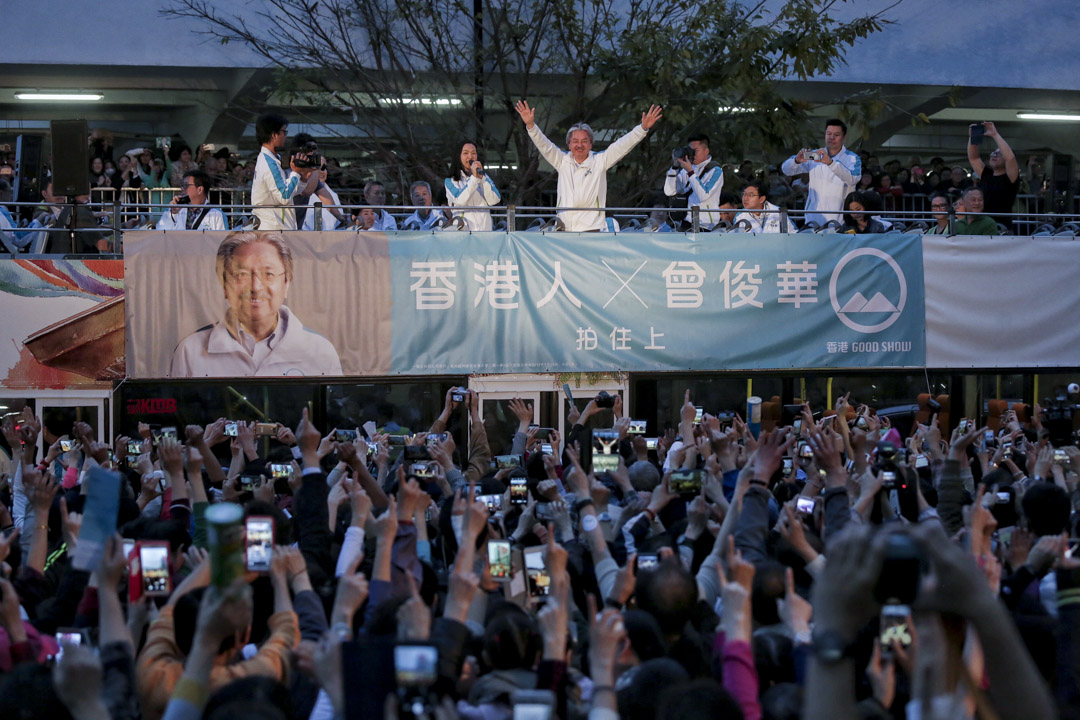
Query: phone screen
[637, 427]
[685, 482]
[280, 470]
[699, 414]
[789, 465]
[647, 561]
[154, 561]
[519, 491]
[539, 580]
[415, 665]
[260, 543]
[134, 448]
[650, 443]
[66, 445]
[804, 505]
[230, 429]
[493, 502]
[345, 436]
[894, 626]
[169, 432]
[499, 559]
[507, 461]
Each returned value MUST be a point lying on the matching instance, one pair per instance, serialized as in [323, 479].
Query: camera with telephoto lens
[886, 467]
[307, 156]
[682, 153]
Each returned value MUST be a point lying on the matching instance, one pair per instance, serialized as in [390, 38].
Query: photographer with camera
[271, 189]
[186, 211]
[695, 177]
[305, 155]
[834, 172]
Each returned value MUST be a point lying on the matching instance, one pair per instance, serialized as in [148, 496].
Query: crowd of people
[825, 568]
[836, 188]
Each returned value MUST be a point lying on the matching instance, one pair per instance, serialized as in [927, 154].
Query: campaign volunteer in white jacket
[755, 199]
[582, 172]
[186, 211]
[831, 178]
[472, 187]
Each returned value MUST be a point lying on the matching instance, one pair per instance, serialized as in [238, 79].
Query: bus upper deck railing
[97, 227]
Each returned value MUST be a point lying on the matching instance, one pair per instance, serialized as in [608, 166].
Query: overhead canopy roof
[159, 76]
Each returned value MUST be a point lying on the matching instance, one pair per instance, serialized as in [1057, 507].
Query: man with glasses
[187, 210]
[1000, 185]
[760, 214]
[259, 335]
[271, 189]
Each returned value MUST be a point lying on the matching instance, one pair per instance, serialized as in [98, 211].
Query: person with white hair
[582, 172]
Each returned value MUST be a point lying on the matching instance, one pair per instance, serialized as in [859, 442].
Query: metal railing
[97, 226]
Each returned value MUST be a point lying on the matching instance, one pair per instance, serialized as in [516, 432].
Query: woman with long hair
[470, 186]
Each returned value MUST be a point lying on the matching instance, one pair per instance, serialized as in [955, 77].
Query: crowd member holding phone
[1001, 184]
[186, 211]
[767, 575]
[834, 172]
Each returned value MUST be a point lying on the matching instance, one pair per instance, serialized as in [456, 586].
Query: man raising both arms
[834, 172]
[582, 172]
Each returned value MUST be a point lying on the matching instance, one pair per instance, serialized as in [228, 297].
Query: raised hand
[528, 115]
[649, 118]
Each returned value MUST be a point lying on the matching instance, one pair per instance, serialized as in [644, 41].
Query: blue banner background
[654, 302]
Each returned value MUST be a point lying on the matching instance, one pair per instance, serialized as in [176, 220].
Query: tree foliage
[419, 77]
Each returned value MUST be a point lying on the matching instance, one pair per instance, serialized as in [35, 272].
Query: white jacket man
[759, 213]
[831, 178]
[192, 216]
[582, 172]
[702, 178]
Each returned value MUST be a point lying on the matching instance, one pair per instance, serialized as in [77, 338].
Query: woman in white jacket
[472, 187]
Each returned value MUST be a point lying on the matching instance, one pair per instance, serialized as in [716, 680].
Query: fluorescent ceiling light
[1048, 116]
[70, 97]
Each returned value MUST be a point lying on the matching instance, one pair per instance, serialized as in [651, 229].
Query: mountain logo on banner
[859, 304]
[879, 307]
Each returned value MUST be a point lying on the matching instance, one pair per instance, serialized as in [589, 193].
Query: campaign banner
[417, 303]
[190, 314]
[63, 323]
[533, 302]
